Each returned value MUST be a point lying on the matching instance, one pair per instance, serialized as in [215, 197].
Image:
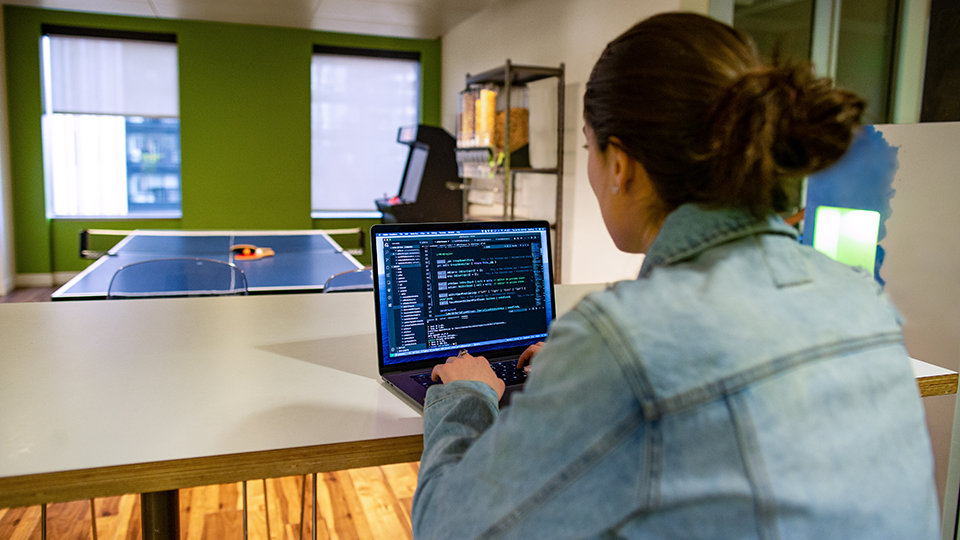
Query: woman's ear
[623, 167]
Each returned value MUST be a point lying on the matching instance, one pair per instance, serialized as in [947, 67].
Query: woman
[743, 385]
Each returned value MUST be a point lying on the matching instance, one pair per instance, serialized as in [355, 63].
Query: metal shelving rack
[506, 77]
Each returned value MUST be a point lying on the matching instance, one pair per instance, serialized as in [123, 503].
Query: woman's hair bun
[776, 123]
[710, 120]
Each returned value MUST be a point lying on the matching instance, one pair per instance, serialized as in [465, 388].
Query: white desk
[102, 398]
[934, 380]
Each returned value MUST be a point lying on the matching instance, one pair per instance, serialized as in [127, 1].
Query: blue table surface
[302, 262]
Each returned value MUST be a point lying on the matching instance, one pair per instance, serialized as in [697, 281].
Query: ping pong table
[303, 260]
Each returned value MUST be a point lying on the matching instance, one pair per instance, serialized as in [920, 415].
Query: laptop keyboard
[506, 370]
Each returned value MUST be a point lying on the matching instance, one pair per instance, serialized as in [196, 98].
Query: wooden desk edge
[938, 385]
[17, 491]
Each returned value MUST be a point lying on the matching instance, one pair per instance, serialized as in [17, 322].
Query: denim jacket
[744, 386]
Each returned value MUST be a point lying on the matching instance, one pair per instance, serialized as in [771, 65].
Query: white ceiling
[404, 18]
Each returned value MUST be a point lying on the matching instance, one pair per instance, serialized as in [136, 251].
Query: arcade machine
[423, 195]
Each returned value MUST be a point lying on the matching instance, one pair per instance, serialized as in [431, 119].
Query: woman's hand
[528, 355]
[466, 367]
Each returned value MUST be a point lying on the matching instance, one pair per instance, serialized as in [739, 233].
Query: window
[852, 42]
[785, 27]
[360, 98]
[866, 54]
[111, 128]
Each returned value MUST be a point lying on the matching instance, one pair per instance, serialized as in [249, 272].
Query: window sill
[345, 214]
[129, 217]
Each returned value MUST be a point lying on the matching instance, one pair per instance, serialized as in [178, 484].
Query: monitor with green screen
[847, 235]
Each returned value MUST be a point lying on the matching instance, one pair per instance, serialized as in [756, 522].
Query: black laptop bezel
[387, 228]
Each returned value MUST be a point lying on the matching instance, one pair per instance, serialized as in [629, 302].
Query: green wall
[244, 127]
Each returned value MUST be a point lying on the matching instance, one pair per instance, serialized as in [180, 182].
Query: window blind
[126, 77]
[358, 104]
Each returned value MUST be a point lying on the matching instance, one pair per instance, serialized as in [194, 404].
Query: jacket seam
[654, 465]
[753, 465]
[649, 490]
[654, 406]
[625, 356]
[741, 379]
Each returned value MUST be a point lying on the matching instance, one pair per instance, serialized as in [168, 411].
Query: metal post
[558, 214]
[93, 519]
[266, 506]
[303, 498]
[160, 515]
[314, 506]
[244, 510]
[507, 175]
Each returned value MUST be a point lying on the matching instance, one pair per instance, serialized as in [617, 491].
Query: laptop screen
[445, 287]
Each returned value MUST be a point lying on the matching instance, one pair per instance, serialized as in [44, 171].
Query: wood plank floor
[33, 294]
[371, 502]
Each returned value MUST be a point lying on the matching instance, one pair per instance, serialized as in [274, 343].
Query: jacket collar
[692, 229]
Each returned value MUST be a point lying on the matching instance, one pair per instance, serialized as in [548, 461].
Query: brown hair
[691, 99]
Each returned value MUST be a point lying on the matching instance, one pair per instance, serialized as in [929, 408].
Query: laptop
[442, 288]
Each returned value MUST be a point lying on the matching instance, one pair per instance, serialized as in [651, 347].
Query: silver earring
[616, 188]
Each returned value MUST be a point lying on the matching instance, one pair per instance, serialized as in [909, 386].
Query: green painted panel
[245, 133]
[244, 117]
[31, 235]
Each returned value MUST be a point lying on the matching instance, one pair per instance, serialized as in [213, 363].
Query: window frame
[56, 30]
[362, 52]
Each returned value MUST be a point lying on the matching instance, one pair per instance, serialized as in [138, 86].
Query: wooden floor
[37, 294]
[362, 503]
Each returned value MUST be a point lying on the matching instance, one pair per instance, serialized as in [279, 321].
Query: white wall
[922, 265]
[548, 33]
[6, 212]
